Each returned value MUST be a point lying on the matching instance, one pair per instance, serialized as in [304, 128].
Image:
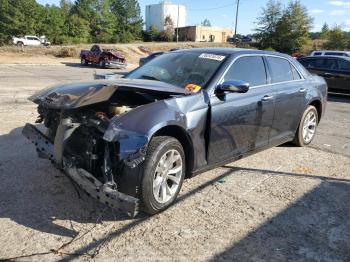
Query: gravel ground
[286, 203]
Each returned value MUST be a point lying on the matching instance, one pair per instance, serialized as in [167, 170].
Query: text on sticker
[212, 56]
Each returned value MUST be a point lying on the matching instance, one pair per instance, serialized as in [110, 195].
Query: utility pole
[177, 26]
[237, 9]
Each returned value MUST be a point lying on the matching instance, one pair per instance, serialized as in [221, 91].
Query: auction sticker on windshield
[212, 57]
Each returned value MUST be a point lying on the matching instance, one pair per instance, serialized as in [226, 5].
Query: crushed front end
[85, 137]
[76, 146]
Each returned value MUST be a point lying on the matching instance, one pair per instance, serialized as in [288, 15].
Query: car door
[93, 53]
[290, 92]
[30, 41]
[36, 41]
[343, 80]
[241, 122]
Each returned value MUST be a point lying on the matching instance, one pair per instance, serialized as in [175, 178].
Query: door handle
[267, 98]
[328, 74]
[302, 90]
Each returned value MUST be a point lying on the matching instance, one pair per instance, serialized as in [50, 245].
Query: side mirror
[233, 86]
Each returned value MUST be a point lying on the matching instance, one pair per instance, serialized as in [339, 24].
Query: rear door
[93, 54]
[343, 80]
[241, 122]
[287, 82]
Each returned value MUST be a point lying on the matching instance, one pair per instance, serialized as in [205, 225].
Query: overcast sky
[222, 12]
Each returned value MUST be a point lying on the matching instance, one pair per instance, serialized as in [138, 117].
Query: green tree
[78, 30]
[336, 39]
[267, 22]
[325, 31]
[52, 24]
[284, 31]
[105, 27]
[6, 21]
[152, 34]
[129, 19]
[206, 22]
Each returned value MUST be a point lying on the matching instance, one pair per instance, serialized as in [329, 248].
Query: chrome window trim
[259, 55]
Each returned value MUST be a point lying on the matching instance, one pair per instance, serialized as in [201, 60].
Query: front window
[180, 68]
[250, 69]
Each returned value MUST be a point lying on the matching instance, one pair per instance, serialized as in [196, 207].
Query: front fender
[135, 129]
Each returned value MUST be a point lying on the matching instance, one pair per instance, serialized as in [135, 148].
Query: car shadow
[36, 195]
[316, 227]
[298, 231]
[341, 98]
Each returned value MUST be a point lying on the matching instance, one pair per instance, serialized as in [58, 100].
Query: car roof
[231, 51]
[331, 51]
[325, 56]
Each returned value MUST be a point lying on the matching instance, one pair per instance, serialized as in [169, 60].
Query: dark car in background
[334, 69]
[144, 60]
[104, 57]
[131, 142]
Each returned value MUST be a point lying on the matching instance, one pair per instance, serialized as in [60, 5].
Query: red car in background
[102, 57]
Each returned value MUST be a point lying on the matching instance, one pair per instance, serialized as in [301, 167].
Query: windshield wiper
[149, 77]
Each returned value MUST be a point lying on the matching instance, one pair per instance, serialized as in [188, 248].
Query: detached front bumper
[103, 192]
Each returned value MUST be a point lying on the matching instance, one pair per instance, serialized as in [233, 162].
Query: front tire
[307, 127]
[20, 44]
[83, 61]
[163, 174]
[102, 64]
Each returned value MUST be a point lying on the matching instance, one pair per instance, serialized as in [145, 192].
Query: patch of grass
[67, 52]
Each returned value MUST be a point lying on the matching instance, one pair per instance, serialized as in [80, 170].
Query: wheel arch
[185, 140]
[318, 105]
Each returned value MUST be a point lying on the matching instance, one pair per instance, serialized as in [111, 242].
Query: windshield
[180, 68]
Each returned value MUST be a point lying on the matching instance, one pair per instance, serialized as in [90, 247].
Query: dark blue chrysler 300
[131, 142]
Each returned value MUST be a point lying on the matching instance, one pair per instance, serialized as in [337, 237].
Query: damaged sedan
[130, 142]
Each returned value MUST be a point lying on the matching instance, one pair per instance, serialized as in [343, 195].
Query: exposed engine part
[118, 110]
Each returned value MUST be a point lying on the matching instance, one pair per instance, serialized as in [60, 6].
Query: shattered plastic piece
[221, 180]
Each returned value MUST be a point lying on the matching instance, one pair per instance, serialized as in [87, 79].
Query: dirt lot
[58, 55]
[286, 203]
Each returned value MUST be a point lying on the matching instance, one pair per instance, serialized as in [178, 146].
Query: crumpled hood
[70, 96]
[116, 54]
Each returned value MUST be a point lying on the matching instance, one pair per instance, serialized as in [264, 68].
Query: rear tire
[163, 174]
[307, 127]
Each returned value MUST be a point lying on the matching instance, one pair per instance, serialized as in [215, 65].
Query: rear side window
[343, 65]
[334, 53]
[296, 74]
[305, 62]
[330, 64]
[250, 69]
[317, 53]
[281, 70]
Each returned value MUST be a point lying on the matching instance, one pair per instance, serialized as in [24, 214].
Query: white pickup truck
[29, 40]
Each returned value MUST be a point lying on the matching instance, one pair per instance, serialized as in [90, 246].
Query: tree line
[81, 21]
[288, 29]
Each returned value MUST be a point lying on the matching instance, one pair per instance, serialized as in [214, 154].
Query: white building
[156, 14]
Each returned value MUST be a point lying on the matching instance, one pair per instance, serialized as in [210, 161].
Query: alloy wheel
[309, 126]
[167, 176]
